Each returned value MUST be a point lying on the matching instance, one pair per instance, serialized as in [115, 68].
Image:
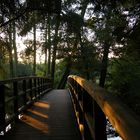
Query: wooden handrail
[27, 89]
[22, 78]
[125, 122]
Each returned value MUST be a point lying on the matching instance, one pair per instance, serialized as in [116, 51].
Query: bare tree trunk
[55, 47]
[34, 65]
[86, 66]
[104, 65]
[49, 46]
[11, 63]
[85, 61]
[10, 52]
[46, 49]
[15, 50]
[45, 57]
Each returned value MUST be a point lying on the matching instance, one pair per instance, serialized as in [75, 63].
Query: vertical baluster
[24, 90]
[100, 123]
[41, 85]
[15, 88]
[47, 85]
[80, 98]
[38, 82]
[2, 108]
[35, 88]
[31, 90]
[88, 109]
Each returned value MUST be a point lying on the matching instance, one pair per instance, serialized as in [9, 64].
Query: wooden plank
[51, 118]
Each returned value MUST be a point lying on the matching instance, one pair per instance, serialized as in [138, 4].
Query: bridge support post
[24, 90]
[15, 86]
[88, 109]
[31, 94]
[35, 89]
[38, 89]
[2, 109]
[100, 123]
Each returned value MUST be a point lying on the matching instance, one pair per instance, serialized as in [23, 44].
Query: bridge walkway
[50, 118]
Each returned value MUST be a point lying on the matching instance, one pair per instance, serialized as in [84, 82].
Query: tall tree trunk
[15, 50]
[46, 49]
[46, 56]
[10, 51]
[55, 47]
[49, 46]
[34, 65]
[86, 66]
[84, 57]
[100, 119]
[84, 7]
[104, 65]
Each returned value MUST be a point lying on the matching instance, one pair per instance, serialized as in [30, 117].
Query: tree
[34, 44]
[55, 43]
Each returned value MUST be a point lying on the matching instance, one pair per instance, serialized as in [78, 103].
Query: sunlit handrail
[23, 92]
[125, 122]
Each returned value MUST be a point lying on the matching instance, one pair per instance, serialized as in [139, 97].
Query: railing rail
[17, 94]
[85, 94]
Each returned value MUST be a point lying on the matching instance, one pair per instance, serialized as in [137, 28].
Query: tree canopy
[96, 39]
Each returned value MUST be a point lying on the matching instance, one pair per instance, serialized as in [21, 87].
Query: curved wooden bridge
[31, 109]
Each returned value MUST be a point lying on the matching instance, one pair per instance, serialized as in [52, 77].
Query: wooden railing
[17, 94]
[85, 94]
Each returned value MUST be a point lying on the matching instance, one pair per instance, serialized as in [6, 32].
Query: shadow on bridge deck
[51, 118]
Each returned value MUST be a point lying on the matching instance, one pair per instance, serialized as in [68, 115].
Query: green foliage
[59, 70]
[87, 63]
[118, 22]
[40, 69]
[125, 77]
[24, 70]
[3, 73]
[74, 22]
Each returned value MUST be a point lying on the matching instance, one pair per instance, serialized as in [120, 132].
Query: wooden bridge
[31, 109]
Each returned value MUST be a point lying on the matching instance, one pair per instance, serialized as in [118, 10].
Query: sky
[21, 46]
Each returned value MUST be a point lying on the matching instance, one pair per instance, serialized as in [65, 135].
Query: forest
[96, 39]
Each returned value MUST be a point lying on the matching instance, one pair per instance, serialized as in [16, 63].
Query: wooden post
[41, 85]
[87, 134]
[87, 104]
[2, 109]
[35, 90]
[30, 85]
[38, 89]
[100, 123]
[15, 88]
[45, 82]
[24, 90]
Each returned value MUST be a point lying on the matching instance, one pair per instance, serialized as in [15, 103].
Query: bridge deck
[51, 118]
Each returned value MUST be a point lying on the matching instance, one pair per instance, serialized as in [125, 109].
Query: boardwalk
[50, 118]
